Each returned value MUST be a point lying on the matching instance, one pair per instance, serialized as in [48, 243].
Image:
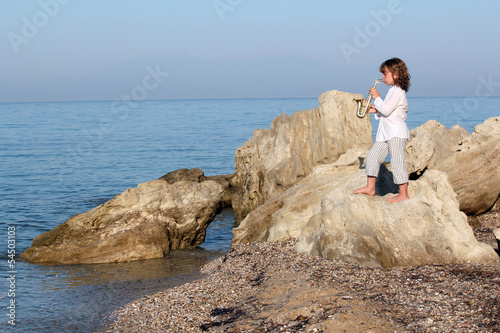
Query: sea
[59, 159]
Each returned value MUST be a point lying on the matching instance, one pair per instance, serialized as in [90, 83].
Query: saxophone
[363, 108]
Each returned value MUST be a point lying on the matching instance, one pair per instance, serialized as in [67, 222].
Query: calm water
[61, 159]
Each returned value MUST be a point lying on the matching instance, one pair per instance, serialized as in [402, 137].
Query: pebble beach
[268, 287]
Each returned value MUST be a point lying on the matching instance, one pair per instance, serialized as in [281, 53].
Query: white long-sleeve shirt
[392, 112]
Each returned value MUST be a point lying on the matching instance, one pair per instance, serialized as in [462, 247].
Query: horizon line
[209, 99]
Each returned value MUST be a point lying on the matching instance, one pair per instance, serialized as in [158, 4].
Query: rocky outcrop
[197, 175]
[276, 159]
[291, 210]
[296, 181]
[141, 223]
[470, 160]
[192, 175]
[332, 222]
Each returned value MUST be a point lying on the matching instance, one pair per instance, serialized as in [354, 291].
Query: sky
[79, 50]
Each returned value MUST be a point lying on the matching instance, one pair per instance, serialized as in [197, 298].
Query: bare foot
[365, 190]
[398, 198]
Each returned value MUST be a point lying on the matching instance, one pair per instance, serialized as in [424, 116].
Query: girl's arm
[387, 106]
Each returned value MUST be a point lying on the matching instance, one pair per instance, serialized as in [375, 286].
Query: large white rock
[274, 160]
[472, 161]
[332, 222]
[286, 215]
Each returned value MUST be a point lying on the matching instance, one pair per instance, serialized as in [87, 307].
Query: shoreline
[269, 287]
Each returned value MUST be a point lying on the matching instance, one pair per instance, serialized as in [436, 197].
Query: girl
[392, 131]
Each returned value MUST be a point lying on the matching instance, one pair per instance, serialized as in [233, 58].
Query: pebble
[232, 297]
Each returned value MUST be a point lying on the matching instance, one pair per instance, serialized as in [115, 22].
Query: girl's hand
[374, 93]
[372, 109]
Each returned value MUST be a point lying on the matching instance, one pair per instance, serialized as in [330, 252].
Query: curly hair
[398, 67]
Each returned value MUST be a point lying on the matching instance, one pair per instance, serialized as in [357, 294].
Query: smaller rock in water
[141, 223]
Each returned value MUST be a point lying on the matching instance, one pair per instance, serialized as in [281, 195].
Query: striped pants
[377, 154]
